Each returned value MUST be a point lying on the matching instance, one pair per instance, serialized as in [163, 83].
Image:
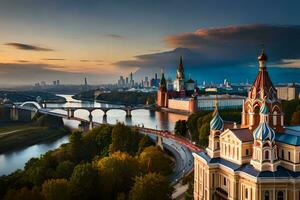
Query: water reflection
[16, 159]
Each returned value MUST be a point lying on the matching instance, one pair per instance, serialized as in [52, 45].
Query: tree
[65, 169]
[23, 194]
[103, 138]
[143, 143]
[116, 174]
[56, 189]
[203, 134]
[76, 146]
[84, 182]
[124, 139]
[151, 186]
[295, 120]
[153, 159]
[181, 128]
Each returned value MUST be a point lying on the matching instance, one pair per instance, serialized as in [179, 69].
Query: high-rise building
[288, 92]
[258, 160]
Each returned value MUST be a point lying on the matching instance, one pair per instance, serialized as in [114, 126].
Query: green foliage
[181, 128]
[124, 139]
[23, 194]
[117, 172]
[84, 182]
[203, 134]
[39, 170]
[189, 179]
[192, 124]
[103, 138]
[151, 187]
[153, 159]
[143, 143]
[295, 120]
[126, 98]
[50, 121]
[65, 169]
[289, 107]
[56, 189]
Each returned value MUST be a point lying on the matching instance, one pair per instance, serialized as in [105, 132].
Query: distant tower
[262, 91]
[180, 77]
[85, 81]
[162, 93]
[216, 128]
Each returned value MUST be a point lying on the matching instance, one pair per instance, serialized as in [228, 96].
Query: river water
[16, 159]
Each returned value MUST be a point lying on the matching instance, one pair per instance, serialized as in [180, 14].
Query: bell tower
[264, 157]
[262, 91]
[162, 93]
[216, 128]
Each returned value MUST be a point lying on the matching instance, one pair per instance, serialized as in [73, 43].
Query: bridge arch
[118, 109]
[30, 104]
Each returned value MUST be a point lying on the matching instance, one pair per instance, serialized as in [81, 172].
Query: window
[289, 155]
[224, 181]
[246, 193]
[266, 155]
[280, 195]
[267, 195]
[218, 145]
[213, 180]
[247, 152]
[282, 153]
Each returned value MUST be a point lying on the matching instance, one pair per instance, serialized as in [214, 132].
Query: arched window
[266, 155]
[267, 195]
[274, 118]
[280, 195]
[282, 153]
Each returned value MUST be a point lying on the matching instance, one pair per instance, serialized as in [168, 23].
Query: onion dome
[264, 132]
[264, 110]
[263, 56]
[216, 123]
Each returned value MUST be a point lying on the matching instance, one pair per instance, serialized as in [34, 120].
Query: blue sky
[105, 39]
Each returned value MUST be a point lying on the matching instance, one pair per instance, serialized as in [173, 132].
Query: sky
[45, 40]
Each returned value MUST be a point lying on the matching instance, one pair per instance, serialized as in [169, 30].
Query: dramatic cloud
[226, 49]
[27, 47]
[115, 36]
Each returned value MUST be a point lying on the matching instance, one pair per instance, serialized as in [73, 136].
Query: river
[16, 159]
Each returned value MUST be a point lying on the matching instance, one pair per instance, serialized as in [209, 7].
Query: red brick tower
[162, 93]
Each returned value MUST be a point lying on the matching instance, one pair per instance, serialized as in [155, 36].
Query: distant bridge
[34, 107]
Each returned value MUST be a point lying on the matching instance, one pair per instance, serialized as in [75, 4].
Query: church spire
[180, 70]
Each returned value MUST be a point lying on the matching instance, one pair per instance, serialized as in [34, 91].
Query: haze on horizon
[43, 40]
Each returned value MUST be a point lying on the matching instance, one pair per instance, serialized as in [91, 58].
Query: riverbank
[14, 137]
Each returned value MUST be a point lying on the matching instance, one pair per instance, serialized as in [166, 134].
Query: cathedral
[256, 160]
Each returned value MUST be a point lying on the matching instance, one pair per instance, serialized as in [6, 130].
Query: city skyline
[64, 40]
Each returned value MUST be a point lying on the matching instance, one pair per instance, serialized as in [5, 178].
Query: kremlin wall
[184, 95]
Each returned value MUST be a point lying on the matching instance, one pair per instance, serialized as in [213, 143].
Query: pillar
[159, 142]
[14, 114]
[90, 121]
[128, 112]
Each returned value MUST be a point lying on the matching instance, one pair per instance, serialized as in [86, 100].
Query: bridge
[90, 109]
